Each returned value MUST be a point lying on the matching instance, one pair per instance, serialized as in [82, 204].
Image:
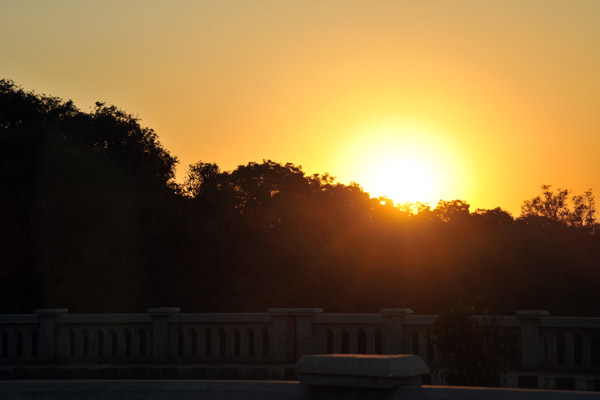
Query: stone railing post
[304, 332]
[393, 342]
[160, 332]
[46, 318]
[531, 338]
[281, 345]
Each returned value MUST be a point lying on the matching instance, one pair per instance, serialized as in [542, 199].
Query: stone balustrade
[280, 336]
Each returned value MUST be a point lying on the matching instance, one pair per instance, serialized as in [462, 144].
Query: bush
[475, 353]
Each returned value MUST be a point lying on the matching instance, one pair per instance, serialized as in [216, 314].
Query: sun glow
[401, 177]
[405, 164]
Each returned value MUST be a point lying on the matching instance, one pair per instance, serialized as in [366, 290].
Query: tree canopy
[554, 207]
[93, 221]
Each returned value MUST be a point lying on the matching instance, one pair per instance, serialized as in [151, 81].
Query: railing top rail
[506, 320]
[419, 319]
[18, 319]
[571, 322]
[346, 318]
[61, 316]
[104, 319]
[222, 318]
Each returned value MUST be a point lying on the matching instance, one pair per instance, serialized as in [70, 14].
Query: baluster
[414, 342]
[345, 341]
[99, 343]
[12, 349]
[62, 343]
[569, 349]
[27, 343]
[105, 343]
[550, 348]
[329, 339]
[215, 342]
[71, 343]
[142, 343]
[260, 344]
[379, 341]
[179, 345]
[595, 350]
[577, 349]
[237, 343]
[586, 350]
[127, 343]
[193, 340]
[222, 343]
[113, 343]
[370, 340]
[3, 344]
[337, 340]
[229, 349]
[361, 342]
[85, 343]
[432, 355]
[265, 343]
[560, 348]
[244, 342]
[34, 343]
[134, 343]
[18, 344]
[353, 344]
[207, 337]
[423, 350]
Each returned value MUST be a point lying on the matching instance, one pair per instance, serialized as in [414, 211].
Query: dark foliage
[475, 352]
[92, 221]
[82, 200]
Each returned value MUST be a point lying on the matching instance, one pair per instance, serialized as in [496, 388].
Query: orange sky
[483, 101]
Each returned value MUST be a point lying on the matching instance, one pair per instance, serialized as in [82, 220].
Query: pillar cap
[295, 311]
[162, 311]
[532, 313]
[361, 371]
[50, 312]
[392, 312]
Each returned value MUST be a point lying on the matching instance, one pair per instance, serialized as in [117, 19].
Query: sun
[405, 163]
[401, 177]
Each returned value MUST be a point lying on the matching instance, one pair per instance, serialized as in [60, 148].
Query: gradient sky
[475, 100]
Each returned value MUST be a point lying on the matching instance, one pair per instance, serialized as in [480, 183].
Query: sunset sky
[475, 100]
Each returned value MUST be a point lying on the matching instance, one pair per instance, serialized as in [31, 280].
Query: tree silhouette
[93, 221]
[554, 207]
[81, 193]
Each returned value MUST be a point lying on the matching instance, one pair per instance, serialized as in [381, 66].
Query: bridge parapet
[166, 336]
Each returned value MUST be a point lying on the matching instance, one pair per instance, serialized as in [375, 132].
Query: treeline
[92, 220]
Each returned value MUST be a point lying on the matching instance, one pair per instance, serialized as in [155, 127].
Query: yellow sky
[486, 101]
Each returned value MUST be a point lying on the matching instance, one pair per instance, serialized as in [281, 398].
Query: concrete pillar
[532, 346]
[46, 318]
[160, 332]
[392, 332]
[281, 338]
[304, 330]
